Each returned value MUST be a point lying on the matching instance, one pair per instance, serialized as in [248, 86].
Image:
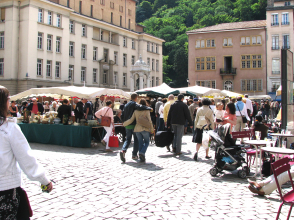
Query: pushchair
[227, 155]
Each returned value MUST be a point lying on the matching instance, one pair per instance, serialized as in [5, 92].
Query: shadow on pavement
[228, 177]
[146, 166]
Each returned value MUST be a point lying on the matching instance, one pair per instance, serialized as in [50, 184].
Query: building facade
[68, 42]
[229, 56]
[279, 18]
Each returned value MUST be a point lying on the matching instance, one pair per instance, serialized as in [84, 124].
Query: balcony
[286, 47]
[276, 48]
[285, 23]
[275, 24]
[228, 72]
[275, 72]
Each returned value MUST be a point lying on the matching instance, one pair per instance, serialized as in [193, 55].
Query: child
[219, 112]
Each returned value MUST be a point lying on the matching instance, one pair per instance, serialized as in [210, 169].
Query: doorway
[228, 61]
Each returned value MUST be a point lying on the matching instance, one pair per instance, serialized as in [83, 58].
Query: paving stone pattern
[92, 184]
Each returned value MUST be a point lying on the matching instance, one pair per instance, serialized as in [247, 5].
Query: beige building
[279, 18]
[59, 43]
[229, 56]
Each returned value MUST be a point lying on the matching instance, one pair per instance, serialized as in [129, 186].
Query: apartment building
[279, 19]
[68, 42]
[229, 56]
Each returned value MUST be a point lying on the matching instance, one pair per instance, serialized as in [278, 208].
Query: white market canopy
[81, 92]
[199, 91]
[162, 90]
[230, 94]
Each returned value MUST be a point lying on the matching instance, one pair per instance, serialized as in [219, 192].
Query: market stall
[230, 94]
[163, 91]
[199, 91]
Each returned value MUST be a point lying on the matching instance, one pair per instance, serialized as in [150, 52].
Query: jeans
[161, 125]
[89, 117]
[178, 131]
[143, 139]
[129, 133]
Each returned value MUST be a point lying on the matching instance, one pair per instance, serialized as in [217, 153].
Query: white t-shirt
[219, 114]
[160, 111]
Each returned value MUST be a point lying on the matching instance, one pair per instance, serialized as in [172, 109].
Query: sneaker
[135, 157]
[195, 156]
[207, 157]
[122, 155]
[142, 157]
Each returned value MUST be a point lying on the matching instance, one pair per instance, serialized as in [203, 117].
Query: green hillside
[171, 19]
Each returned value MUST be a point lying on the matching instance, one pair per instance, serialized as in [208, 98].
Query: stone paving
[92, 184]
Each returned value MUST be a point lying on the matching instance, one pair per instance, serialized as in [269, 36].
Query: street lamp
[188, 81]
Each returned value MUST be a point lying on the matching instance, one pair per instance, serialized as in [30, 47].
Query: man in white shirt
[249, 107]
[241, 110]
[101, 102]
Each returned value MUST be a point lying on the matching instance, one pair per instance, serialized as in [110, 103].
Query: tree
[181, 66]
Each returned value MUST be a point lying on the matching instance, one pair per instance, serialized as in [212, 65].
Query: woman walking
[15, 152]
[160, 112]
[204, 116]
[142, 129]
[106, 111]
[230, 115]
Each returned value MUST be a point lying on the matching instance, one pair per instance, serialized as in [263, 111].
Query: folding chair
[278, 168]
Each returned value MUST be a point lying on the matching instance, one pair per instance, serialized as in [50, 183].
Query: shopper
[13, 109]
[128, 111]
[142, 129]
[36, 107]
[15, 155]
[171, 100]
[157, 106]
[204, 116]
[177, 116]
[241, 111]
[64, 110]
[108, 112]
[160, 112]
[88, 110]
[78, 111]
[192, 108]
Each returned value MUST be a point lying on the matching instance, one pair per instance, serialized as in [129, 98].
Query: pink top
[230, 117]
[35, 109]
[103, 112]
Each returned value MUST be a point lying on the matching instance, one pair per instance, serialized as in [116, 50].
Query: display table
[65, 135]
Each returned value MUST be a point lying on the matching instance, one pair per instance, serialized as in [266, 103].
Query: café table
[277, 151]
[257, 144]
[281, 136]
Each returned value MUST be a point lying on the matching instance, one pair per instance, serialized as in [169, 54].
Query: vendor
[54, 107]
[36, 107]
[64, 109]
[79, 114]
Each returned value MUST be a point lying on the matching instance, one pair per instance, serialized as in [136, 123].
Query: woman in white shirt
[160, 112]
[15, 155]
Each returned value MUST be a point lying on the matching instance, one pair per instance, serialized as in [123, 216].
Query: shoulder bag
[105, 120]
[244, 119]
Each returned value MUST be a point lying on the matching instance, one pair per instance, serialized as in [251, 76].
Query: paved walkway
[91, 184]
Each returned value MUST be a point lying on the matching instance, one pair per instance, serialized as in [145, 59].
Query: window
[49, 42]
[275, 19]
[133, 44]
[40, 41]
[228, 42]
[84, 47]
[71, 72]
[115, 57]
[157, 65]
[130, 12]
[247, 40]
[105, 54]
[58, 44]
[124, 79]
[250, 85]
[242, 40]
[71, 27]
[1, 66]
[152, 64]
[111, 17]
[275, 42]
[152, 81]
[152, 47]
[83, 74]
[253, 40]
[84, 31]
[258, 40]
[228, 85]
[101, 35]
[102, 2]
[202, 42]
[40, 15]
[124, 41]
[95, 51]
[120, 21]
[121, 8]
[133, 60]
[276, 66]
[58, 20]
[48, 68]
[124, 60]
[206, 83]
[287, 3]
[148, 61]
[57, 70]
[49, 17]
[112, 5]
[148, 46]
[2, 15]
[91, 12]
[156, 48]
[71, 49]
[205, 63]
[115, 78]
[286, 43]
[68, 3]
[285, 18]
[157, 81]
[251, 61]
[80, 7]
[94, 75]
[104, 77]
[129, 24]
[1, 40]
[210, 43]
[39, 67]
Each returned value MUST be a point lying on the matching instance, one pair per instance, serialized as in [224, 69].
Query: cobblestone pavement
[92, 184]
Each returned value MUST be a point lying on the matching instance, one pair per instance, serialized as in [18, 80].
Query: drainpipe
[266, 38]
[125, 13]
[18, 61]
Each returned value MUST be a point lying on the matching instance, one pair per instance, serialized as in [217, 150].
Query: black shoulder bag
[244, 119]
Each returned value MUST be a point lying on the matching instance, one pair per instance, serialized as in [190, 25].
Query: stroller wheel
[247, 170]
[213, 171]
[242, 174]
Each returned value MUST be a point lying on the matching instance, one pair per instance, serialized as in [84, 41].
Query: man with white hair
[36, 107]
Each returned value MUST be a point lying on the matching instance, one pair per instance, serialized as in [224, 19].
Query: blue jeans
[143, 139]
[178, 131]
[129, 133]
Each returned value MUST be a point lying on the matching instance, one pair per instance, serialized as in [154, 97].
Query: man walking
[241, 110]
[177, 116]
[249, 108]
[79, 112]
[128, 111]
[157, 106]
[171, 100]
[192, 109]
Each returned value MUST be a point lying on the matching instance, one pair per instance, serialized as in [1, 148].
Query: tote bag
[105, 120]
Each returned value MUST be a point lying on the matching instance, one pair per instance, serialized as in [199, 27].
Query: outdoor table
[57, 134]
[280, 136]
[257, 145]
[277, 151]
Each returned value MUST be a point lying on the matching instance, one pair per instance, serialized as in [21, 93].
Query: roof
[231, 26]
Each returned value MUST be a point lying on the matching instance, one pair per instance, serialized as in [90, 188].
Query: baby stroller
[227, 155]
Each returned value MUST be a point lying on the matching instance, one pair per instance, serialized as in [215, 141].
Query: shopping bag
[205, 139]
[113, 140]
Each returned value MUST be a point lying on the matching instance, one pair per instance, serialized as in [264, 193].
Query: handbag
[105, 120]
[113, 140]
[244, 119]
